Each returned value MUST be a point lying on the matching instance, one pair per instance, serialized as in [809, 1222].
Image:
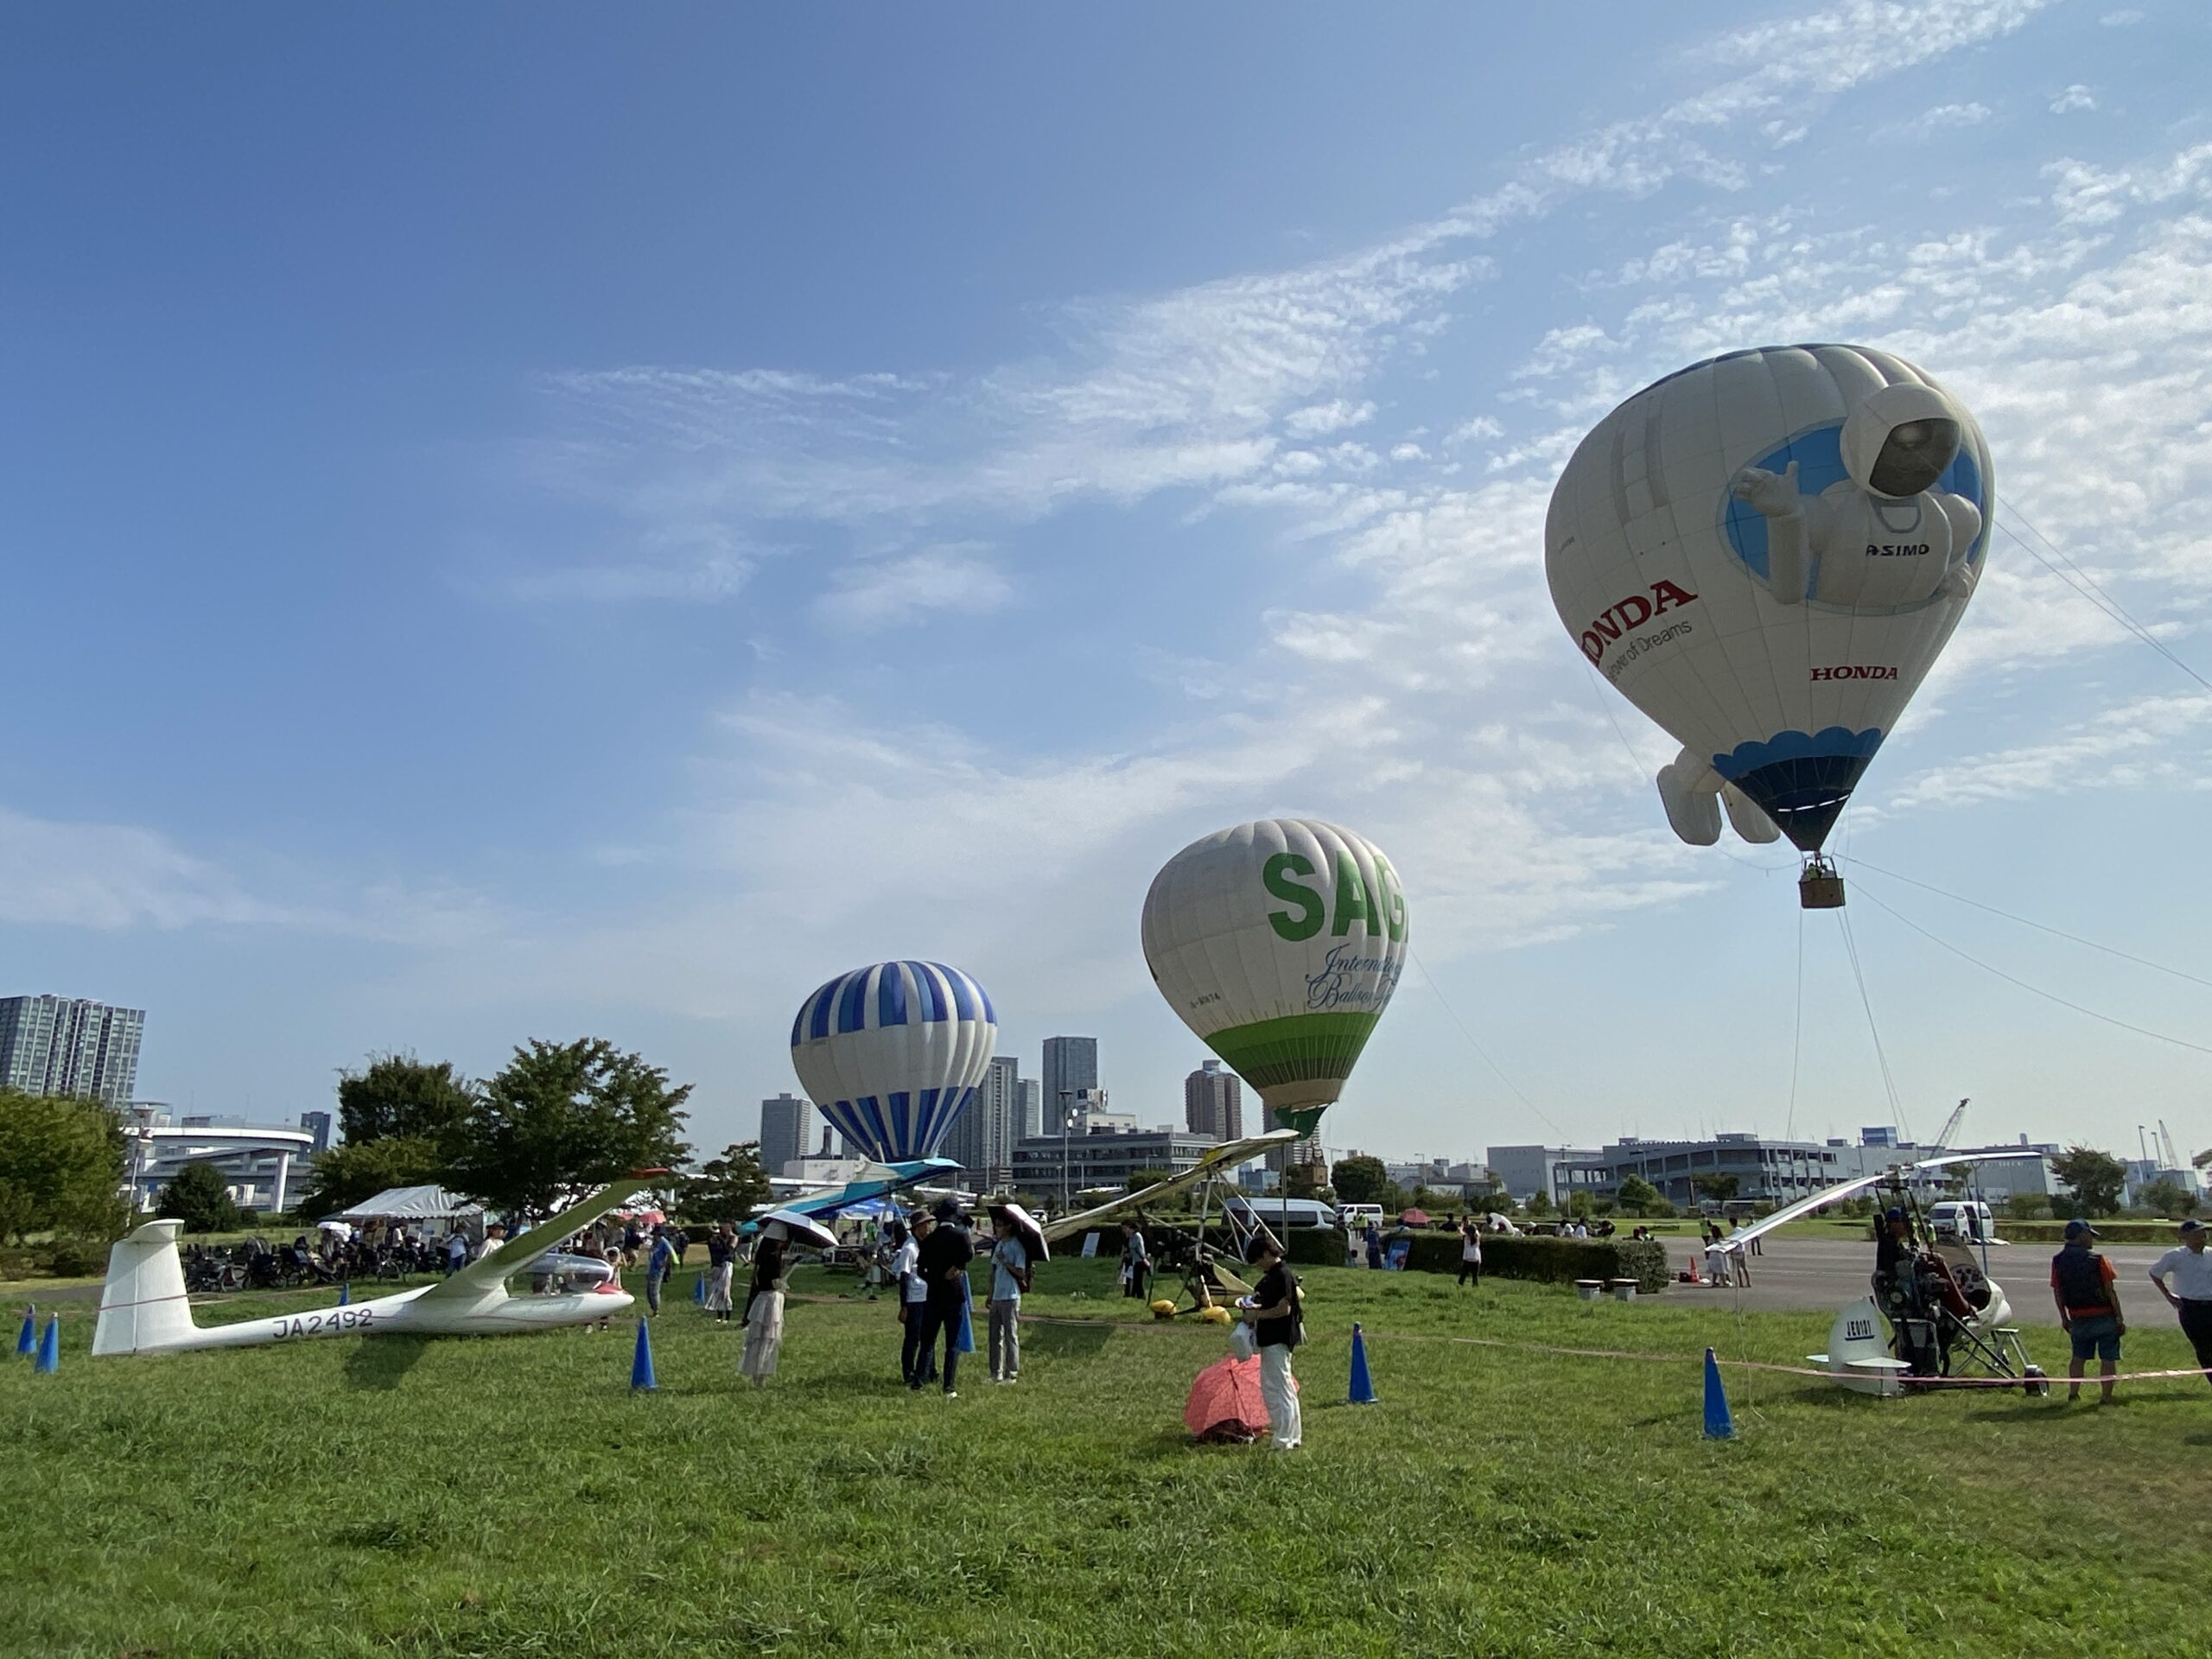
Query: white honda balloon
[891, 1054]
[1764, 553]
[1280, 942]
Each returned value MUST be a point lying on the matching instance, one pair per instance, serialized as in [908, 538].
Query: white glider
[143, 1309]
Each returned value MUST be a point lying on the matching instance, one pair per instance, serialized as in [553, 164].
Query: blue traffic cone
[641, 1367]
[27, 1338]
[699, 1291]
[1719, 1425]
[1363, 1385]
[345, 1291]
[49, 1347]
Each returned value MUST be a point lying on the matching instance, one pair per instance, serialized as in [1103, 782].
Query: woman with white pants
[1272, 1311]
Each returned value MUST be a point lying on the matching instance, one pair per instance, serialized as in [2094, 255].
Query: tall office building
[1033, 1109]
[1070, 1063]
[1213, 1103]
[318, 1125]
[982, 1139]
[66, 1045]
[782, 1131]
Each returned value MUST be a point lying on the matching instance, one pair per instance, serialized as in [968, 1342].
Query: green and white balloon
[1280, 942]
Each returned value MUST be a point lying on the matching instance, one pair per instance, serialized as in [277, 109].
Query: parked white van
[1962, 1219]
[1353, 1216]
[1282, 1212]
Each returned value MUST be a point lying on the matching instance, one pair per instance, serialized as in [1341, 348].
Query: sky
[527, 522]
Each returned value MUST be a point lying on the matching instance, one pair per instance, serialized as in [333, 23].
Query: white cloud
[2126, 18]
[2076, 97]
[889, 591]
[1474, 428]
[706, 583]
[2150, 740]
[1944, 118]
[1319, 419]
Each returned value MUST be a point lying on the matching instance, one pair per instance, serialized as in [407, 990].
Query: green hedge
[2108, 1232]
[1550, 1260]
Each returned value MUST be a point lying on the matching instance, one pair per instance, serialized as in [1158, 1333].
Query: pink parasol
[1225, 1403]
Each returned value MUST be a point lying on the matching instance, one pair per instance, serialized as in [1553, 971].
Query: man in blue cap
[2189, 1266]
[2088, 1308]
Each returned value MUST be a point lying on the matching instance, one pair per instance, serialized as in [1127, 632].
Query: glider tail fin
[143, 1305]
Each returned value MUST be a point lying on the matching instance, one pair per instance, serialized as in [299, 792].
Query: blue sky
[538, 522]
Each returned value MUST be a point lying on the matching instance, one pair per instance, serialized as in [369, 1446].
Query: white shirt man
[2190, 1265]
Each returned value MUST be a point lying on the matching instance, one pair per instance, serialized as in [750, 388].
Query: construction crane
[1950, 1127]
[2173, 1153]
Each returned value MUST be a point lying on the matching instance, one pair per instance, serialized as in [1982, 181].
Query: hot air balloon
[1764, 553]
[892, 1054]
[1280, 942]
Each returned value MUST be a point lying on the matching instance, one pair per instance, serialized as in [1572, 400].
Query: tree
[2025, 1206]
[1580, 1204]
[400, 1097]
[2165, 1197]
[354, 1170]
[1139, 1178]
[1715, 1186]
[558, 1119]
[1362, 1179]
[61, 1167]
[728, 1188]
[2098, 1179]
[1540, 1203]
[1636, 1195]
[197, 1197]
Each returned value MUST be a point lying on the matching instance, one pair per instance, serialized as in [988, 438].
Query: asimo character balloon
[891, 1054]
[1280, 942]
[1765, 553]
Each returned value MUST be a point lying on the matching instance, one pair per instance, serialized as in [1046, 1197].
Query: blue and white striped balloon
[893, 1053]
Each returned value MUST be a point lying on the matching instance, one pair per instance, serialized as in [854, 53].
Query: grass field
[512, 1496]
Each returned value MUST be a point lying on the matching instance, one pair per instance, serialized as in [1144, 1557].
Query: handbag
[1242, 1342]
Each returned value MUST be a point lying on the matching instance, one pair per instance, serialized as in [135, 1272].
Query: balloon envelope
[1280, 942]
[1764, 553]
[891, 1054]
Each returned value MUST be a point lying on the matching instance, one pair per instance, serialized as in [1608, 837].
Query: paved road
[1821, 1274]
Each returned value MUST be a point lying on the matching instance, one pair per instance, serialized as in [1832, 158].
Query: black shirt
[1889, 1251]
[721, 1252]
[767, 1267]
[946, 1252]
[1276, 1284]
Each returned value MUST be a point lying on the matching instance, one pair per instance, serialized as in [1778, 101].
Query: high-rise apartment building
[318, 1125]
[67, 1045]
[1033, 1109]
[782, 1131]
[1070, 1063]
[983, 1137]
[1213, 1103]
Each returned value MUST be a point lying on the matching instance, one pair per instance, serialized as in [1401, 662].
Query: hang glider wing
[1218, 1162]
[517, 1254]
[1837, 1194]
[880, 1179]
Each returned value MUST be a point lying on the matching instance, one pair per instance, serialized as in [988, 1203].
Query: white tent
[411, 1204]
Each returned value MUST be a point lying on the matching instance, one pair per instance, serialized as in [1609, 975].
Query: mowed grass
[514, 1497]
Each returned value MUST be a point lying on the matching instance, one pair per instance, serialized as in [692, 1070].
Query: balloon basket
[1820, 888]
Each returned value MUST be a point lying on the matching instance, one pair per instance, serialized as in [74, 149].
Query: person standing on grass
[456, 1251]
[659, 1263]
[763, 1306]
[494, 1235]
[2081, 1283]
[943, 1262]
[1272, 1311]
[721, 1264]
[1136, 1261]
[2190, 1294]
[917, 1364]
[1371, 1236]
[1471, 1253]
[1009, 1278]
